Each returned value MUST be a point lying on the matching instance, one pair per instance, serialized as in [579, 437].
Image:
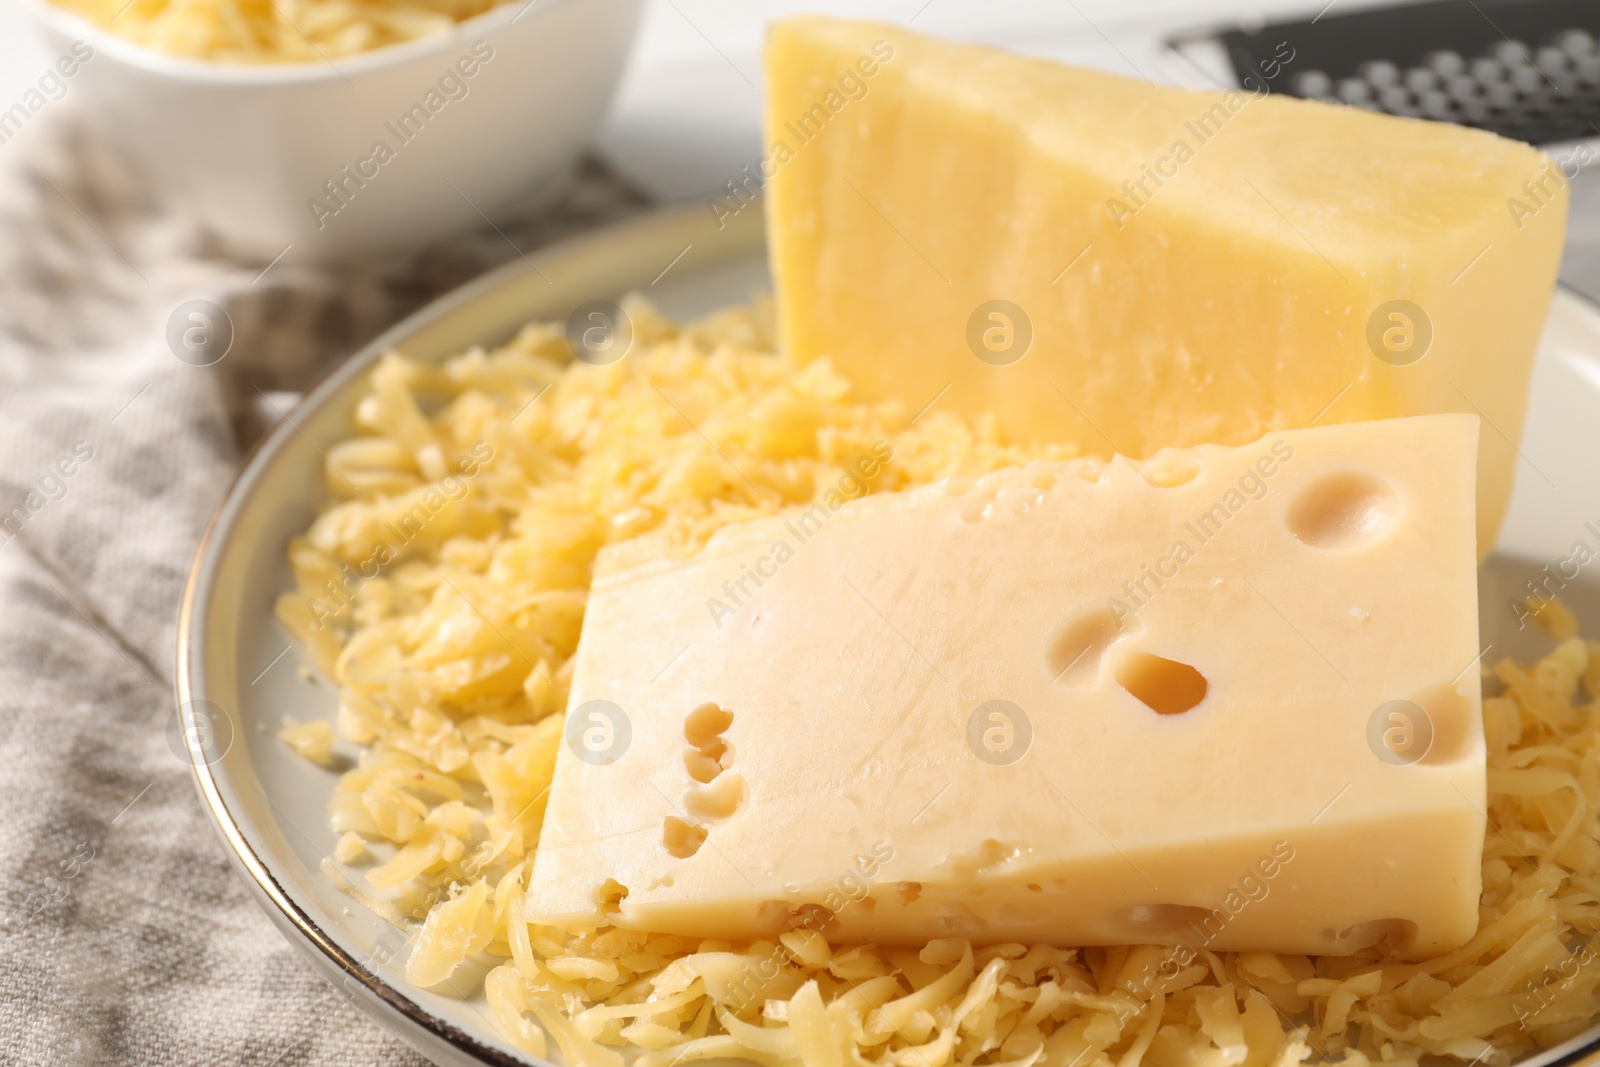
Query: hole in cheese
[1342, 511]
[958, 920]
[1170, 468]
[711, 755]
[780, 916]
[977, 511]
[717, 796]
[813, 917]
[718, 751]
[701, 768]
[704, 725]
[609, 897]
[1165, 686]
[1074, 656]
[1451, 717]
[1157, 923]
[718, 800]
[680, 838]
[1089, 470]
[1399, 933]
[990, 853]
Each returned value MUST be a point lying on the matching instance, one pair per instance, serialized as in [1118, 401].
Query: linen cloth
[125, 935]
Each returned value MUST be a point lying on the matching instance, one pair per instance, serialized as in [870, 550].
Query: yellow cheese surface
[1062, 702]
[1176, 267]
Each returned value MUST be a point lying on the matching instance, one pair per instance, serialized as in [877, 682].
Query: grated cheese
[313, 740]
[274, 31]
[443, 590]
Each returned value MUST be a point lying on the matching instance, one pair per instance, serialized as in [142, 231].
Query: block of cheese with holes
[1228, 697]
[1127, 266]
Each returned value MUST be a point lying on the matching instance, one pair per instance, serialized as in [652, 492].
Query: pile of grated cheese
[443, 590]
[274, 31]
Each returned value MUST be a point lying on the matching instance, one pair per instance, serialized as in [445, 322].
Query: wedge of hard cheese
[1130, 267]
[1227, 699]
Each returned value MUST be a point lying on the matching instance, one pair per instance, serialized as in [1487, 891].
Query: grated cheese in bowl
[274, 31]
[443, 591]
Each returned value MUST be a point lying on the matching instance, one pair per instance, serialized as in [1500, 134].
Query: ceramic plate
[238, 665]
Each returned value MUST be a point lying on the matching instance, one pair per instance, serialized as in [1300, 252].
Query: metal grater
[1527, 69]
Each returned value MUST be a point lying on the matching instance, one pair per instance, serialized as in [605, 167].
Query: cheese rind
[959, 711]
[1190, 267]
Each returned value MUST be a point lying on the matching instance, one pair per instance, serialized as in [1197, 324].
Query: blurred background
[686, 114]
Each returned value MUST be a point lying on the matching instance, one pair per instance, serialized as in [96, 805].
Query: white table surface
[687, 115]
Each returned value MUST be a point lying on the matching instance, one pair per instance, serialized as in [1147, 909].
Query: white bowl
[251, 147]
